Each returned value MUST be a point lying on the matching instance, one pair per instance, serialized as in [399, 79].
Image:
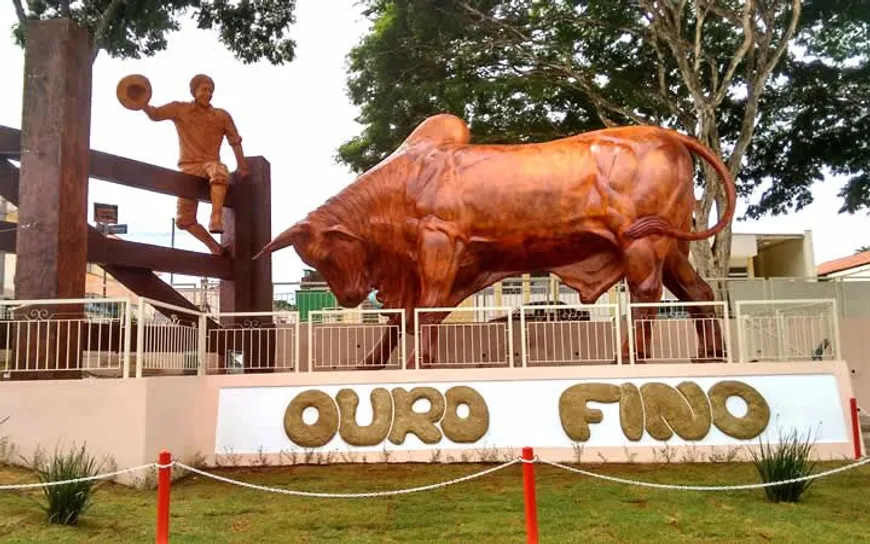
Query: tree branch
[748, 39]
[756, 88]
[103, 27]
[671, 36]
[19, 11]
[700, 15]
[787, 36]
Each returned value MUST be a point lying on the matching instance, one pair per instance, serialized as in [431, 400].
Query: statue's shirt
[200, 131]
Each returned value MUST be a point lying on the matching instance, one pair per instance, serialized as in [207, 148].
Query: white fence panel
[559, 335]
[467, 337]
[253, 341]
[343, 339]
[168, 338]
[675, 335]
[788, 330]
[89, 334]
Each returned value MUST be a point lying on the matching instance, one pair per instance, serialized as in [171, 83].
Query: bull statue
[440, 219]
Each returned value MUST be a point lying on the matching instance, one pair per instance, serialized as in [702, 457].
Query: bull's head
[336, 252]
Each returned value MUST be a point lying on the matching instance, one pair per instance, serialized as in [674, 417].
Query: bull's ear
[340, 231]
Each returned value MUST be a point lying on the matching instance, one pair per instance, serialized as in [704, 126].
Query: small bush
[784, 461]
[64, 504]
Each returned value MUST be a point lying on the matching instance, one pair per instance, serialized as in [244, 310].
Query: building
[772, 255]
[853, 266]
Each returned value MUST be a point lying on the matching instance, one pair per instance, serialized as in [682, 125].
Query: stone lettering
[468, 429]
[422, 424]
[575, 415]
[752, 423]
[663, 410]
[631, 412]
[684, 409]
[318, 433]
[382, 417]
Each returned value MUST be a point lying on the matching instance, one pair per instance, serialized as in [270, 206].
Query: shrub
[65, 503]
[784, 461]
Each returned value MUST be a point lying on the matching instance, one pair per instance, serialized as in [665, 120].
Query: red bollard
[529, 495]
[164, 481]
[856, 427]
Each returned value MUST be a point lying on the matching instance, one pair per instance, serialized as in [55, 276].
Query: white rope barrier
[740, 487]
[348, 495]
[518, 460]
[77, 480]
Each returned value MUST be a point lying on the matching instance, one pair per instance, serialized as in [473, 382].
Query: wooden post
[55, 148]
[261, 233]
[51, 244]
[247, 228]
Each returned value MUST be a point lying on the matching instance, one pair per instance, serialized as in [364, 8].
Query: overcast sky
[294, 115]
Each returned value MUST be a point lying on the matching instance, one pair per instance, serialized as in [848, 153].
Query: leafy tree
[251, 29]
[773, 86]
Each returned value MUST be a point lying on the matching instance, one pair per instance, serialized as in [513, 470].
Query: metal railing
[677, 335]
[120, 338]
[344, 339]
[252, 341]
[558, 335]
[788, 329]
[168, 338]
[64, 335]
[468, 337]
[852, 294]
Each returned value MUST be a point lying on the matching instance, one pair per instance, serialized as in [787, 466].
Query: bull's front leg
[437, 263]
[378, 356]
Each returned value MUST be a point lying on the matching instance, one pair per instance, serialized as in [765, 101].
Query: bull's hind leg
[683, 281]
[644, 261]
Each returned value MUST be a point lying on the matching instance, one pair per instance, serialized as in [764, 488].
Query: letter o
[318, 433]
[468, 429]
[757, 413]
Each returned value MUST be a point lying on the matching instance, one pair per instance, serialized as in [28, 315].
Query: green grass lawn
[571, 508]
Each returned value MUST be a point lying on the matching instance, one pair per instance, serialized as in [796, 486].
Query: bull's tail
[650, 225]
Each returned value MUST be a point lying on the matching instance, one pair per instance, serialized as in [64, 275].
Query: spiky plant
[788, 459]
[65, 503]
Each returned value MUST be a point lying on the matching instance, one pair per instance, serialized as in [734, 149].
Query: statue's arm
[162, 113]
[235, 141]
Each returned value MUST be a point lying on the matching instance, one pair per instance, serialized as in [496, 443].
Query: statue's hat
[134, 91]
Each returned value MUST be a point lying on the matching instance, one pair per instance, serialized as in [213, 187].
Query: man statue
[201, 129]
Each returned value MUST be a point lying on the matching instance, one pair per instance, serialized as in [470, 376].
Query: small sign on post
[106, 214]
[115, 229]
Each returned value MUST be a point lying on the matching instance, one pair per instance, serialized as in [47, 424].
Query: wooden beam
[10, 140]
[108, 252]
[10, 178]
[132, 173]
[8, 235]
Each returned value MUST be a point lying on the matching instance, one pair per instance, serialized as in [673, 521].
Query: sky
[296, 116]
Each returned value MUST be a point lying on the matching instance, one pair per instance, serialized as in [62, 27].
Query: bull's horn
[285, 239]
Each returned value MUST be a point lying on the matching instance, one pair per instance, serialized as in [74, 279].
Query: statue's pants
[216, 172]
